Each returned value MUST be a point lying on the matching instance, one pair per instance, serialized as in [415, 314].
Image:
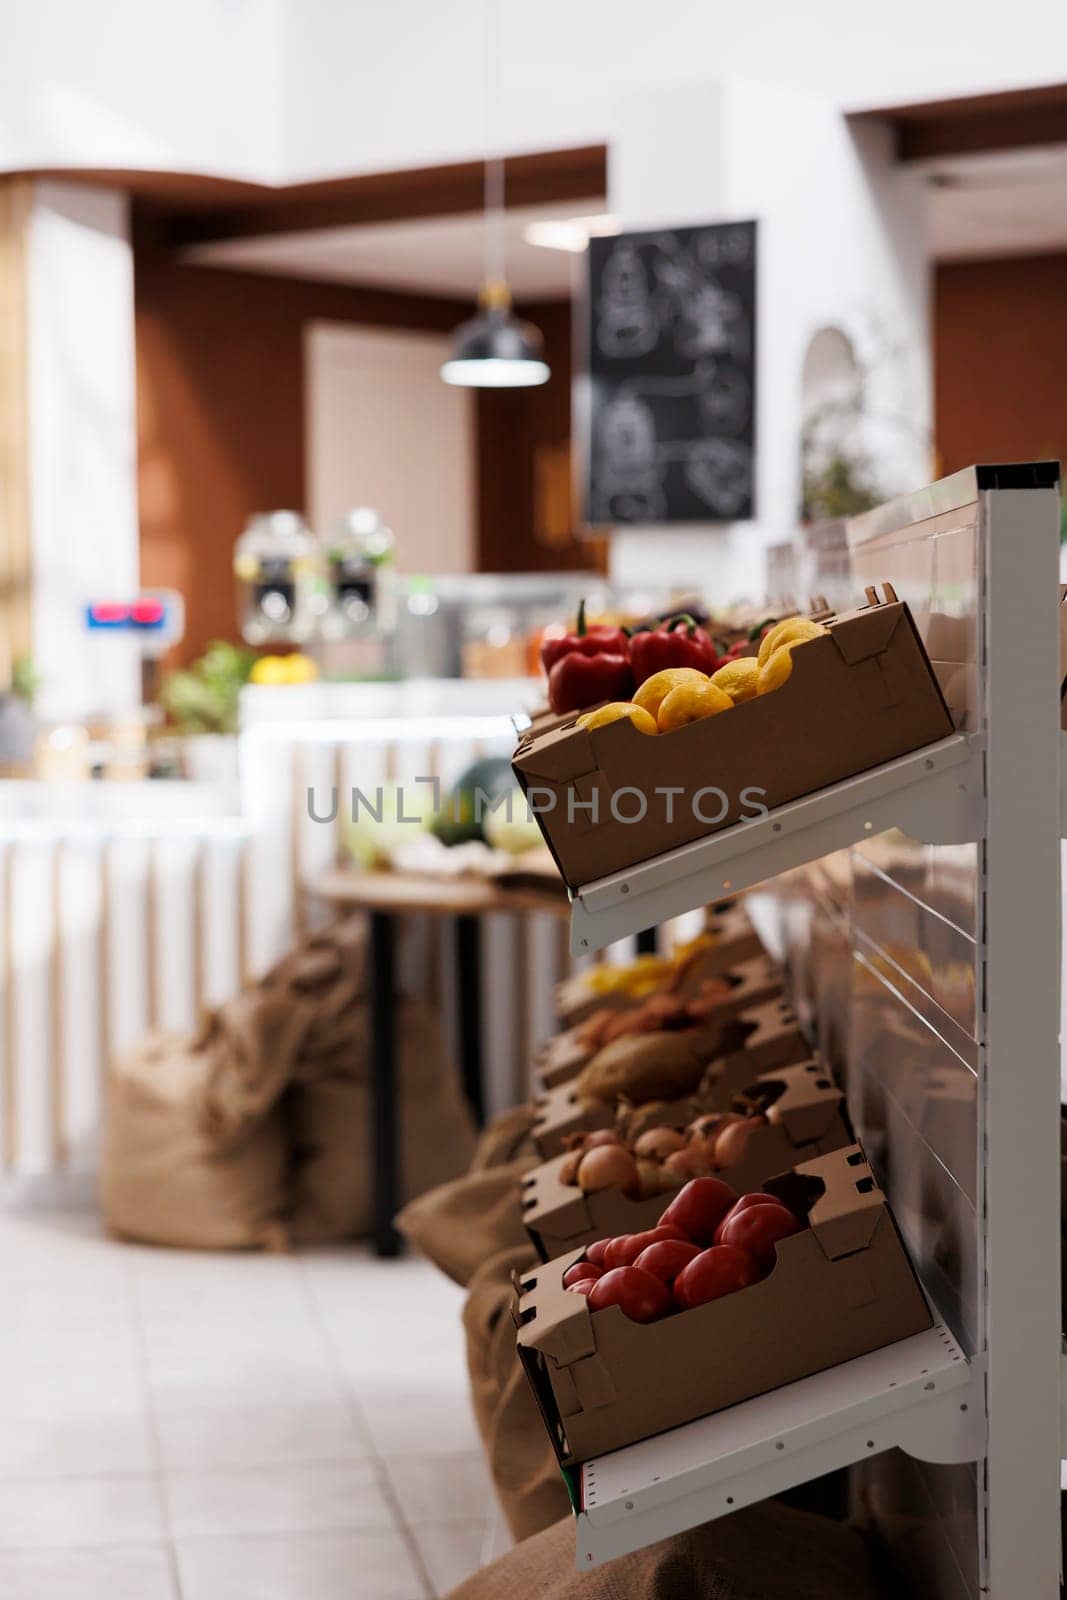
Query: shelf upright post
[1019, 976]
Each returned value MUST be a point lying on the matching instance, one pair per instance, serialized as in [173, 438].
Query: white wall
[841, 242]
[171, 85]
[83, 490]
[283, 89]
[383, 86]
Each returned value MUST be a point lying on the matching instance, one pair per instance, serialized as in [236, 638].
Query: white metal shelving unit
[980, 551]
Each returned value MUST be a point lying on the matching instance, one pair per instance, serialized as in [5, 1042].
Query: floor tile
[135, 1572]
[78, 1511]
[287, 1499]
[334, 1566]
[451, 1551]
[441, 1488]
[404, 1421]
[87, 1442]
[256, 1428]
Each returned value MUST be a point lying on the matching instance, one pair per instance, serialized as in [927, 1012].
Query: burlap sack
[521, 1461]
[195, 1150]
[461, 1225]
[509, 1137]
[768, 1552]
[328, 1114]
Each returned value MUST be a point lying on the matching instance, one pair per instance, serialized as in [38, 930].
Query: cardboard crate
[860, 695]
[805, 1118]
[760, 1038]
[560, 1110]
[841, 1288]
[562, 1057]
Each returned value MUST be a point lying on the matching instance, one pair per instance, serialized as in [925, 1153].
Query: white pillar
[841, 242]
[83, 444]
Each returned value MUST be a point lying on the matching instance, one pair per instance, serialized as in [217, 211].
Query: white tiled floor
[190, 1427]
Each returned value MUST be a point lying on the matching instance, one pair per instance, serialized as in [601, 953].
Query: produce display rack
[920, 1394]
[993, 1397]
[933, 794]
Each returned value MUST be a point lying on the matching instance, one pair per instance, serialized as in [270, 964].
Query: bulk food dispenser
[275, 562]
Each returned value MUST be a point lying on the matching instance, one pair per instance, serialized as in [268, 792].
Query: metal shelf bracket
[935, 795]
[921, 1395]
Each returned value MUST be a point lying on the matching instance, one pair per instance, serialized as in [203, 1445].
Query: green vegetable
[466, 811]
[203, 698]
[511, 826]
[383, 819]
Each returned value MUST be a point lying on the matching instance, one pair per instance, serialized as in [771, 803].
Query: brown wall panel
[1000, 360]
[527, 509]
[220, 402]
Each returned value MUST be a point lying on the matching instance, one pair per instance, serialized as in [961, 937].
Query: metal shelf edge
[934, 794]
[933, 1407]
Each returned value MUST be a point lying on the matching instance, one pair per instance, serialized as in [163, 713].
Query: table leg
[469, 990]
[385, 1163]
[647, 941]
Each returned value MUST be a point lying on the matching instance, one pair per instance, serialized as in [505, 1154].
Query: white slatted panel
[881, 944]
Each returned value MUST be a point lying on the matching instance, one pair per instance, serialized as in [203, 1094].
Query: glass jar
[275, 562]
[361, 569]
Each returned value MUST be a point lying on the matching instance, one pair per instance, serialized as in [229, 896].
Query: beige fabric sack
[509, 1137]
[525, 1473]
[328, 1114]
[767, 1552]
[461, 1225]
[195, 1151]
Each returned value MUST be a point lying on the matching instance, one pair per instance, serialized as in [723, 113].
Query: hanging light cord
[495, 290]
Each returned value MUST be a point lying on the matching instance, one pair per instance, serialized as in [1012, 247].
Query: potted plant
[202, 701]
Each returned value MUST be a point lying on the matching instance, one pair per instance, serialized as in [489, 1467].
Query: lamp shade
[494, 350]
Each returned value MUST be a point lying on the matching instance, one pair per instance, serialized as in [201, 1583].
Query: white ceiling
[1013, 203]
[427, 255]
[1010, 204]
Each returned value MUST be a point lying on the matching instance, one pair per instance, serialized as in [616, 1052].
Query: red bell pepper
[678, 642]
[586, 642]
[587, 666]
[578, 681]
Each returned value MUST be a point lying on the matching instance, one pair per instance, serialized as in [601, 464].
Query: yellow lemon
[652, 693]
[615, 711]
[301, 668]
[692, 702]
[270, 669]
[792, 630]
[774, 672]
[738, 678]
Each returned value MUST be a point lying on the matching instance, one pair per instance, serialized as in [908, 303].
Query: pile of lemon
[678, 695]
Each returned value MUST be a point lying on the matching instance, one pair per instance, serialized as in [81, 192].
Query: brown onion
[568, 1171]
[732, 1142]
[608, 1167]
[658, 1143]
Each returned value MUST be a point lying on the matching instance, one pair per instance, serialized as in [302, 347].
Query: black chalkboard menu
[670, 360]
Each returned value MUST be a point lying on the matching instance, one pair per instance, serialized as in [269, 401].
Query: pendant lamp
[494, 350]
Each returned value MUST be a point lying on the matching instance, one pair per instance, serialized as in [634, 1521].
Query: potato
[657, 1066]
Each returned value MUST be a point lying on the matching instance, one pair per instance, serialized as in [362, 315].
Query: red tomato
[699, 1208]
[744, 1204]
[581, 1286]
[616, 1251]
[667, 1257]
[595, 1252]
[713, 1273]
[639, 1295]
[758, 1230]
[624, 1251]
[580, 1270]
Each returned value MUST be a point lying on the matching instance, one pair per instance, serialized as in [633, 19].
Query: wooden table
[384, 896]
